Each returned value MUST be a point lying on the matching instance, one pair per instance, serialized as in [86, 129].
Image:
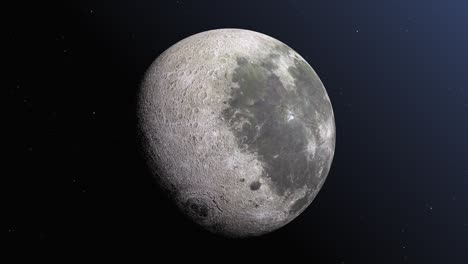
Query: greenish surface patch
[304, 79]
[279, 142]
[249, 75]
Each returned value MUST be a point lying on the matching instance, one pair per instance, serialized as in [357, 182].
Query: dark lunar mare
[280, 144]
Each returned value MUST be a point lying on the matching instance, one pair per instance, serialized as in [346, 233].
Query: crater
[200, 210]
[202, 95]
[197, 208]
[255, 185]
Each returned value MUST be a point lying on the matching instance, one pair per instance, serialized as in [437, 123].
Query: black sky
[396, 73]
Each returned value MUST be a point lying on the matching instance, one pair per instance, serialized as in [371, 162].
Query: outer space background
[396, 73]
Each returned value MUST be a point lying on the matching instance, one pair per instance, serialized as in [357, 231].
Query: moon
[238, 128]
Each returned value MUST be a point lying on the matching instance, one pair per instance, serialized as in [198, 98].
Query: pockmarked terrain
[239, 129]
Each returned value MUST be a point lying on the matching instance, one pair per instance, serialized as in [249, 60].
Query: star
[429, 207]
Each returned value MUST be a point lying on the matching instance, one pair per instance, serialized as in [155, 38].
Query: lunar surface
[238, 128]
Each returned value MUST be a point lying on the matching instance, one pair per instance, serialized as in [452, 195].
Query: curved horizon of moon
[239, 129]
